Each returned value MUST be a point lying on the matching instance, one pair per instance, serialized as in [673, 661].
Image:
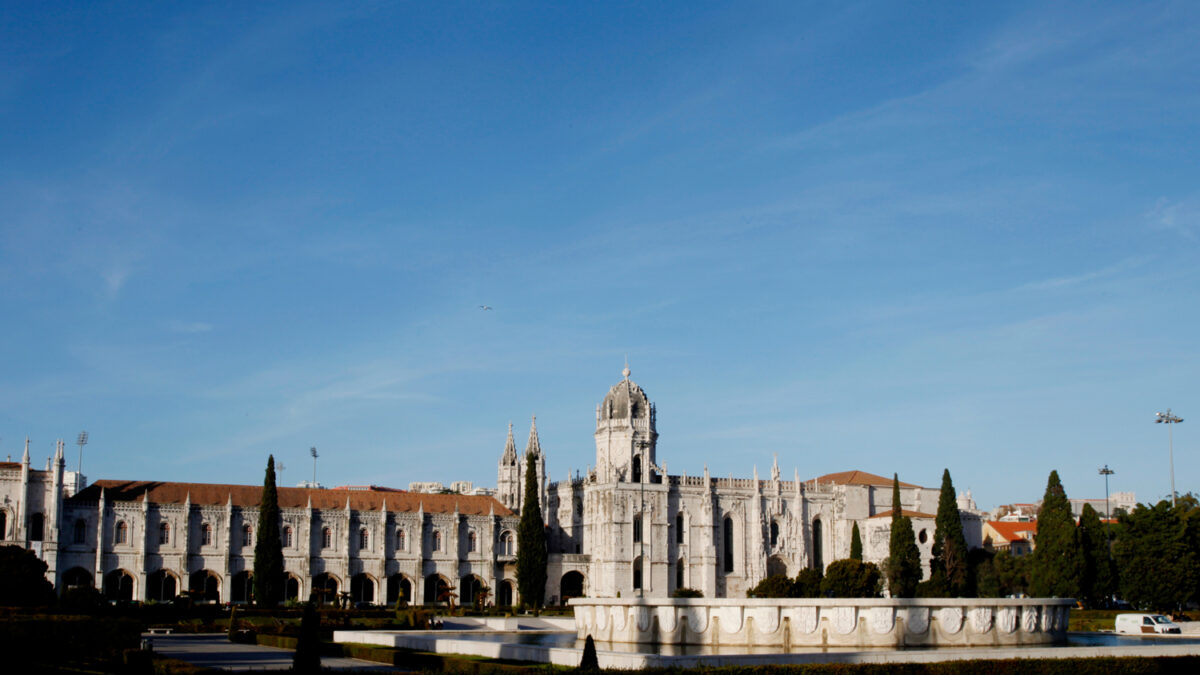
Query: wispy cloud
[1078, 279]
[188, 327]
[1179, 217]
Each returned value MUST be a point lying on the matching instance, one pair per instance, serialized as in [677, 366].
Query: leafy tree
[774, 586]
[23, 579]
[808, 583]
[268, 548]
[981, 574]
[851, 578]
[684, 592]
[903, 567]
[1012, 574]
[1056, 565]
[1156, 563]
[307, 658]
[855, 543]
[1098, 583]
[949, 545]
[531, 543]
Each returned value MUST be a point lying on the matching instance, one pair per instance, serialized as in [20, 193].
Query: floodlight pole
[81, 441]
[1106, 472]
[1169, 419]
[313, 450]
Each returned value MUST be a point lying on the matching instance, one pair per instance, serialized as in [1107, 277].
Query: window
[80, 531]
[164, 534]
[818, 553]
[774, 533]
[247, 536]
[3, 524]
[637, 528]
[637, 572]
[679, 528]
[364, 539]
[287, 537]
[36, 527]
[400, 540]
[122, 534]
[728, 541]
[437, 540]
[206, 535]
[679, 568]
[326, 538]
[637, 470]
[506, 543]
[471, 541]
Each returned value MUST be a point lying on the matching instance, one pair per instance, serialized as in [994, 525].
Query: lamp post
[1168, 419]
[1106, 472]
[81, 441]
[313, 451]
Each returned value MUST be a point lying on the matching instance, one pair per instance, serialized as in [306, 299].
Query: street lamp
[81, 441]
[313, 451]
[1169, 419]
[1106, 472]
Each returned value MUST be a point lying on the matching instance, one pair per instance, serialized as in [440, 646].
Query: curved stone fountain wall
[849, 622]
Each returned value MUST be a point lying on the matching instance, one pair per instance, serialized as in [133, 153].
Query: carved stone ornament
[950, 619]
[806, 619]
[1007, 619]
[766, 619]
[883, 619]
[1029, 619]
[917, 619]
[668, 618]
[981, 619]
[697, 618]
[845, 619]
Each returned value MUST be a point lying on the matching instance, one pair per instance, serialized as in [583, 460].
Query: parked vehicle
[1138, 624]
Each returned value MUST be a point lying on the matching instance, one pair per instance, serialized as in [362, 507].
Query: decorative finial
[626, 371]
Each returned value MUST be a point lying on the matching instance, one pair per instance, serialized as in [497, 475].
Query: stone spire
[510, 449]
[534, 447]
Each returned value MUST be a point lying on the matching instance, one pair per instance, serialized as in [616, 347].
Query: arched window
[80, 531]
[471, 541]
[637, 572]
[247, 535]
[680, 566]
[727, 539]
[122, 533]
[774, 534]
[818, 558]
[637, 528]
[364, 539]
[164, 534]
[36, 527]
[326, 538]
[206, 535]
[506, 543]
[679, 528]
[400, 543]
[437, 540]
[637, 469]
[287, 537]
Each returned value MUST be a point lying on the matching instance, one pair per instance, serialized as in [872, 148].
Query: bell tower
[626, 438]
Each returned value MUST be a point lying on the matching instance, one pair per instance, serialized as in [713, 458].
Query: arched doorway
[362, 588]
[162, 586]
[468, 590]
[291, 588]
[506, 595]
[242, 588]
[205, 586]
[118, 585]
[325, 589]
[437, 590]
[399, 588]
[776, 566]
[570, 587]
[77, 577]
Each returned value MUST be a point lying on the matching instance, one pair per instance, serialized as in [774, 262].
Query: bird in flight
[485, 308]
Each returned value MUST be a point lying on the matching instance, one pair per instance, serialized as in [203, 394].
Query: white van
[1138, 624]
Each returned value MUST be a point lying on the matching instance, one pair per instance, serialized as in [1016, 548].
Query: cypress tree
[531, 542]
[855, 543]
[1098, 583]
[949, 544]
[268, 548]
[1055, 565]
[904, 558]
[307, 657]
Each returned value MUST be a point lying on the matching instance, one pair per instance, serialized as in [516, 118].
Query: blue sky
[860, 236]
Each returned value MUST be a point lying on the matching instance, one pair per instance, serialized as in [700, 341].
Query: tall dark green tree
[531, 542]
[1156, 564]
[949, 544]
[23, 579]
[855, 543]
[1099, 580]
[904, 558]
[268, 548]
[1055, 565]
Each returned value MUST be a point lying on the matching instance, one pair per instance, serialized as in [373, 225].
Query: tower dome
[625, 400]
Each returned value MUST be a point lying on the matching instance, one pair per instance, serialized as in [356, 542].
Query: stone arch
[508, 543]
[680, 573]
[635, 475]
[118, 585]
[325, 589]
[571, 586]
[37, 527]
[362, 588]
[205, 586]
[161, 586]
[399, 587]
[774, 533]
[727, 544]
[121, 532]
[77, 577]
[241, 588]
[291, 587]
[818, 549]
[80, 531]
[506, 595]
[776, 566]
[680, 528]
[437, 589]
[468, 589]
[637, 573]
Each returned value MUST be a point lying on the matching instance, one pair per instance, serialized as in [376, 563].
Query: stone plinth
[836, 622]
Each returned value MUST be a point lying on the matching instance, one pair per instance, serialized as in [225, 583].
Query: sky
[887, 237]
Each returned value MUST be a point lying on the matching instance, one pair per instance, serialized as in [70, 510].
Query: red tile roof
[860, 478]
[249, 495]
[10, 465]
[1014, 531]
[906, 513]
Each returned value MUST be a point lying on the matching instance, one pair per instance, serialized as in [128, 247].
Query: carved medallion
[845, 619]
[1029, 619]
[917, 619]
[950, 619]
[883, 619]
[981, 619]
[668, 618]
[1007, 619]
